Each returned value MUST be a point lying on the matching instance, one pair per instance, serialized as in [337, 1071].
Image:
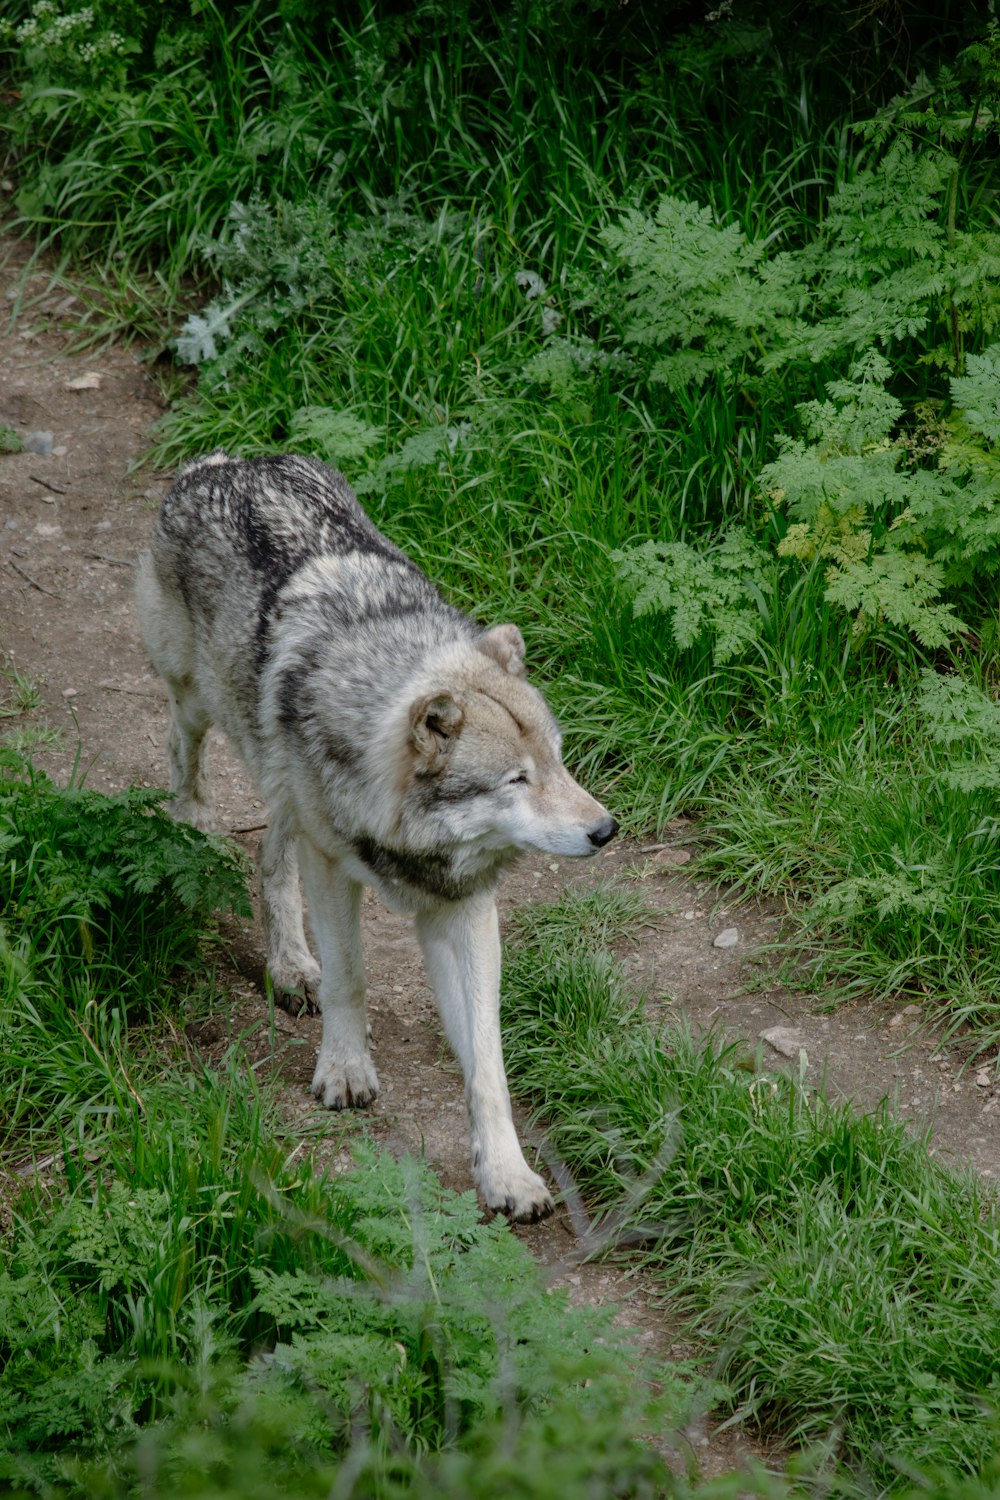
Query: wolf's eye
[517, 780]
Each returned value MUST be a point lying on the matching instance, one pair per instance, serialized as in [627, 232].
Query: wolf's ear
[505, 644]
[435, 723]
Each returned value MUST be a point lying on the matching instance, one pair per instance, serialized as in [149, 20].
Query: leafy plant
[104, 886]
[716, 590]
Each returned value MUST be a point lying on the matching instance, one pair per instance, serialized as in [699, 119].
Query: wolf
[398, 745]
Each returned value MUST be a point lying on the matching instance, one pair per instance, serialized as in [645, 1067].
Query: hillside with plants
[675, 338]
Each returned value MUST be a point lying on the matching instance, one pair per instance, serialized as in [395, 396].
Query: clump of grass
[892, 844]
[838, 1273]
[21, 695]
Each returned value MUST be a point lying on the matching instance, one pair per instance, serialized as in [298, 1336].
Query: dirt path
[72, 521]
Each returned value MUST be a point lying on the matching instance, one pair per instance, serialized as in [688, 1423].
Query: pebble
[728, 938]
[60, 450]
[784, 1039]
[672, 857]
[69, 692]
[985, 1079]
[39, 442]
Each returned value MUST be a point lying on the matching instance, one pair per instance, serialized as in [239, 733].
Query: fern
[341, 437]
[400, 1311]
[977, 393]
[103, 887]
[902, 588]
[960, 717]
[716, 592]
[696, 292]
[899, 528]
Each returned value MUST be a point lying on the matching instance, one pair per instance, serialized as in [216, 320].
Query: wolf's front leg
[461, 948]
[345, 1074]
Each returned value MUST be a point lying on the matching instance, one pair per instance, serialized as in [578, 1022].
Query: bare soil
[72, 523]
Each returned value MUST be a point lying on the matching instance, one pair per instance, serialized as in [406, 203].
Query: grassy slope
[838, 1274]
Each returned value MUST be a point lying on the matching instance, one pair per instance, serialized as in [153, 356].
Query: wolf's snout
[604, 832]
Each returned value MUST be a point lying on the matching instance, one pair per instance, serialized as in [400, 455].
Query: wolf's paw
[516, 1191]
[296, 985]
[350, 1084]
[200, 815]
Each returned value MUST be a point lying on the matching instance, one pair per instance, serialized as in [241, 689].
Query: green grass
[837, 1273]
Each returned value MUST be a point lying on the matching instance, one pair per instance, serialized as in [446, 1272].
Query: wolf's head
[485, 761]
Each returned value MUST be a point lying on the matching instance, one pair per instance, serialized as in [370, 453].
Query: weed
[22, 693]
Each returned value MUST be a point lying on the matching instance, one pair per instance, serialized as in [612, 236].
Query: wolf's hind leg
[168, 634]
[189, 723]
[461, 948]
[294, 972]
[345, 1074]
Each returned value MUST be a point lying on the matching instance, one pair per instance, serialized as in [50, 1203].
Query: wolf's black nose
[603, 833]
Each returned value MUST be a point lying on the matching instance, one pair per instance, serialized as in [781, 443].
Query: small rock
[672, 857]
[69, 692]
[48, 529]
[689, 916]
[60, 450]
[784, 1039]
[728, 938]
[984, 1079]
[89, 382]
[39, 442]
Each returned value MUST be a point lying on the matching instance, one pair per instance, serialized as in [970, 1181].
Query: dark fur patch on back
[278, 513]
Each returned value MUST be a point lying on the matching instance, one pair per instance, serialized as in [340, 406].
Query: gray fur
[396, 741]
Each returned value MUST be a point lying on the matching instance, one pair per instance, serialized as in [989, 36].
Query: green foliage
[65, 45]
[104, 901]
[695, 292]
[893, 841]
[901, 525]
[958, 714]
[206, 1280]
[716, 591]
[23, 693]
[98, 889]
